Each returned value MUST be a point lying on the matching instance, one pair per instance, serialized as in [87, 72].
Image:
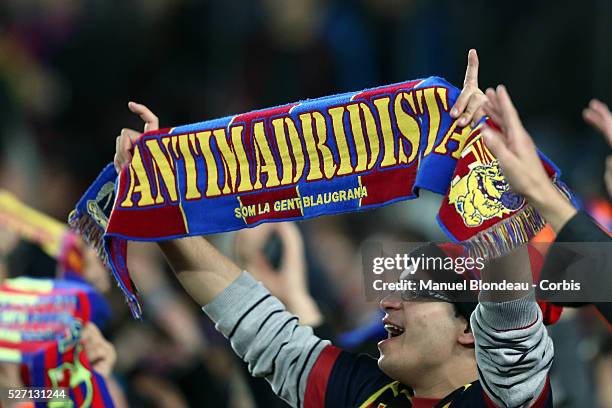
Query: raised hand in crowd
[127, 138]
[99, 351]
[598, 115]
[468, 108]
[102, 355]
[522, 168]
[288, 279]
[517, 155]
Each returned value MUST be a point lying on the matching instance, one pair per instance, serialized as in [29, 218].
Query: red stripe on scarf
[77, 393]
[85, 307]
[385, 90]
[144, 221]
[51, 361]
[387, 185]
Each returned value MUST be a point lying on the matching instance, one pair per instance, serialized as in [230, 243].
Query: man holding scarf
[438, 354]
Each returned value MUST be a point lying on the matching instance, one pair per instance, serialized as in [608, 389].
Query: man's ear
[466, 338]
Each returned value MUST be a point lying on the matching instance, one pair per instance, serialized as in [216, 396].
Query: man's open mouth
[393, 330]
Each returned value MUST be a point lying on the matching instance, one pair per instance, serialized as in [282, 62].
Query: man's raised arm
[513, 350]
[202, 270]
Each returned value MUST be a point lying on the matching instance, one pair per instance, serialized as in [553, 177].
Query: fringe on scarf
[91, 233]
[507, 235]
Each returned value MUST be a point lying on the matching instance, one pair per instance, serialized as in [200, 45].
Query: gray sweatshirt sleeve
[513, 350]
[266, 336]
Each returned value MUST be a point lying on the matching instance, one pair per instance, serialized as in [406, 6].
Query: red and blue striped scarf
[342, 153]
[40, 323]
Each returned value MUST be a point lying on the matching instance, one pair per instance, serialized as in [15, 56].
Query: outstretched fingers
[598, 115]
[125, 141]
[151, 121]
[508, 112]
[593, 117]
[471, 73]
[470, 86]
[123, 147]
[498, 145]
[491, 108]
[474, 111]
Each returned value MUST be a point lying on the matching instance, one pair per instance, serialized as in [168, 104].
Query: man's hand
[100, 352]
[290, 276]
[514, 267]
[10, 376]
[469, 106]
[598, 115]
[127, 138]
[289, 281]
[513, 147]
[519, 160]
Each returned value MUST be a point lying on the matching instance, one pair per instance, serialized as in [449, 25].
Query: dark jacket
[558, 265]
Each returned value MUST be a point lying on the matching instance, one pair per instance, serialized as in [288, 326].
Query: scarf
[40, 324]
[342, 153]
[53, 237]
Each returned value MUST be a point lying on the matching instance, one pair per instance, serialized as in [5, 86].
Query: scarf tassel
[91, 232]
[507, 235]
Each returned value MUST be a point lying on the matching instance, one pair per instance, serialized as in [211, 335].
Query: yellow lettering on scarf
[461, 137]
[320, 146]
[279, 158]
[298, 152]
[408, 129]
[163, 166]
[356, 113]
[212, 175]
[233, 157]
[236, 150]
[264, 160]
[337, 117]
[382, 106]
[434, 115]
[191, 191]
[139, 183]
[282, 128]
[229, 161]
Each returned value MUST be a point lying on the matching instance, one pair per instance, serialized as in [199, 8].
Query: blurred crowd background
[69, 67]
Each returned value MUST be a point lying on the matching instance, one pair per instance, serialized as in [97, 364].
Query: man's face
[422, 335]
